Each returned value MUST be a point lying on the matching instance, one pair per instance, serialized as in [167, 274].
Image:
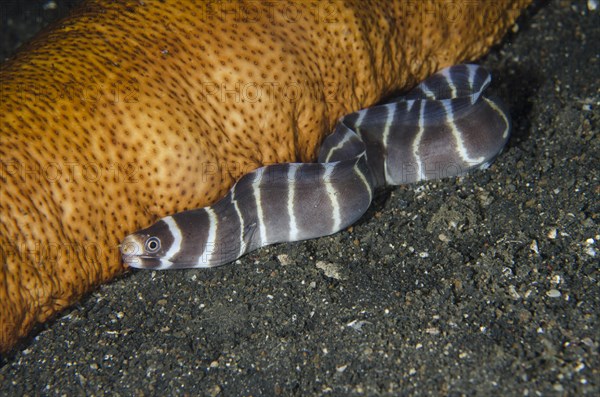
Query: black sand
[488, 284]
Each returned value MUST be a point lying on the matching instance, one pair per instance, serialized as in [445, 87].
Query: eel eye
[152, 245]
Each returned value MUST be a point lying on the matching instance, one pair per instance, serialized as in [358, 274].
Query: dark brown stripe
[274, 190]
[243, 192]
[371, 132]
[401, 163]
[228, 234]
[313, 206]
[482, 130]
[353, 196]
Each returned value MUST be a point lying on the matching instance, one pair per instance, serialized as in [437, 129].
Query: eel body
[128, 111]
[444, 127]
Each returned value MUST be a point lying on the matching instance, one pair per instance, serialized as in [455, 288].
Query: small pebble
[331, 270]
[512, 291]
[589, 249]
[588, 342]
[553, 293]
[534, 247]
[357, 325]
[51, 5]
[214, 390]
[558, 387]
[284, 259]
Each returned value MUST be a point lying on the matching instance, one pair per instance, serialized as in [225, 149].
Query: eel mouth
[133, 255]
[132, 252]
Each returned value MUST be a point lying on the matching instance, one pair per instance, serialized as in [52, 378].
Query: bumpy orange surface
[128, 111]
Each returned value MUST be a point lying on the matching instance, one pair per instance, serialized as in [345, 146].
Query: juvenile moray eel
[128, 111]
[443, 127]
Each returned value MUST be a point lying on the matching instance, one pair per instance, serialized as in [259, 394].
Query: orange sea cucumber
[127, 111]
